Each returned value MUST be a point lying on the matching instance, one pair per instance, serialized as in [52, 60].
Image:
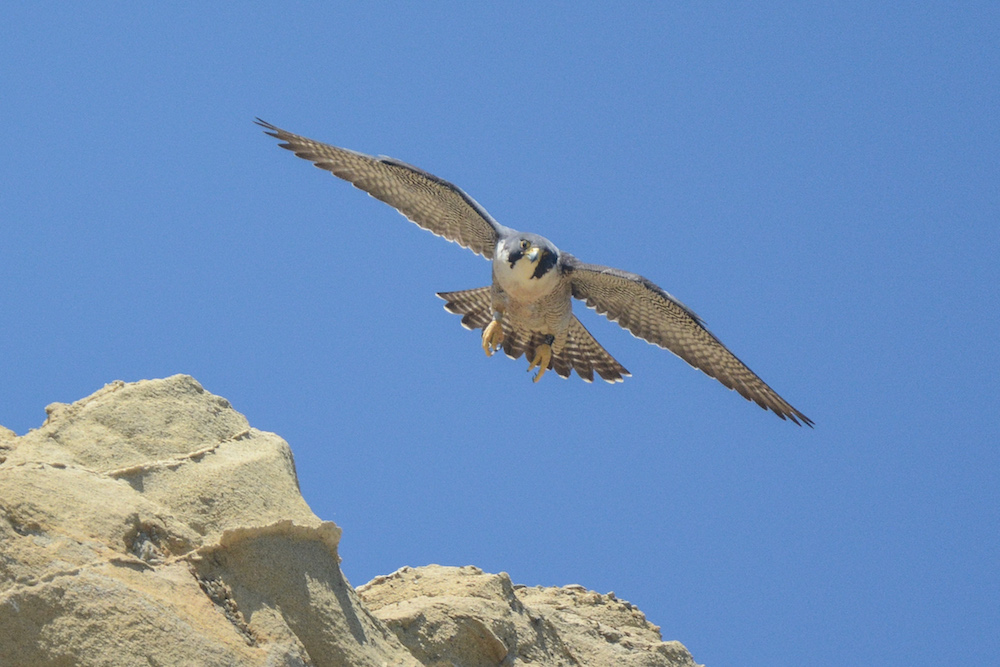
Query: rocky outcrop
[150, 524]
[463, 616]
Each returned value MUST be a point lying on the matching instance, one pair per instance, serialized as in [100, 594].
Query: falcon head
[523, 265]
[528, 254]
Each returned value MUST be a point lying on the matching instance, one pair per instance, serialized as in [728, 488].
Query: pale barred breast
[549, 313]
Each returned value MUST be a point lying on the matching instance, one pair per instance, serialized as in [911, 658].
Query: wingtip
[797, 418]
[269, 129]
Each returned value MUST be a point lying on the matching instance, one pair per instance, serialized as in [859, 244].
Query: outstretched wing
[433, 203]
[647, 311]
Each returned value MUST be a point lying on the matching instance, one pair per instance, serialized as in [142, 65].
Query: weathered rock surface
[150, 524]
[463, 616]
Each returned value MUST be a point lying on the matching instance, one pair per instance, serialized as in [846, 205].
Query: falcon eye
[524, 244]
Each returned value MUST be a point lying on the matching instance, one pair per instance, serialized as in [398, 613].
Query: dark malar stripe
[545, 263]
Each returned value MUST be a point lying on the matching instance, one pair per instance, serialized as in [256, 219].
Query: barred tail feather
[586, 356]
[581, 352]
[475, 306]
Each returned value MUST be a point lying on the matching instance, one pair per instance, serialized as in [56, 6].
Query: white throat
[518, 281]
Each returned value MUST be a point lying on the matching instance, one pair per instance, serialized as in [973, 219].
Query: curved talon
[543, 355]
[492, 338]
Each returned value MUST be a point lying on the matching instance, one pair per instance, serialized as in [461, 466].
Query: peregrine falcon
[528, 307]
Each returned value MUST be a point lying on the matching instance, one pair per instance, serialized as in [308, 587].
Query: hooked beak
[533, 254]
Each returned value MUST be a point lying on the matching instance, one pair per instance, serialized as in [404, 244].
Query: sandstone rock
[150, 524]
[463, 616]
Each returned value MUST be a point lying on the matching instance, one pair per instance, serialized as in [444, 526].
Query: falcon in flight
[528, 308]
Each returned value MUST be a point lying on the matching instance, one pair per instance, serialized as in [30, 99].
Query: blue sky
[821, 184]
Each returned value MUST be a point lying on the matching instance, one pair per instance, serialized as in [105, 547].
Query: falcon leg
[543, 355]
[492, 337]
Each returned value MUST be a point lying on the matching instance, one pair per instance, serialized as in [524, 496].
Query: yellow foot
[492, 338]
[543, 355]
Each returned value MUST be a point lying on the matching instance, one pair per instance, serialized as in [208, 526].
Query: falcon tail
[581, 353]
